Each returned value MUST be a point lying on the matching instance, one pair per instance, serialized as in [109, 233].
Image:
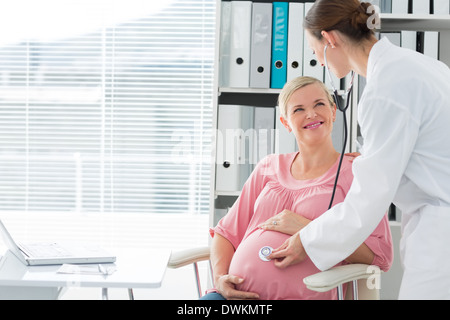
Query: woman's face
[310, 115]
[337, 61]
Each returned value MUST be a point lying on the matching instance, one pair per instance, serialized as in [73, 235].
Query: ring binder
[295, 40]
[279, 44]
[240, 37]
[261, 45]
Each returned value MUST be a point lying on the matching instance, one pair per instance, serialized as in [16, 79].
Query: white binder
[386, 6]
[394, 37]
[228, 148]
[409, 40]
[224, 46]
[400, 6]
[264, 126]
[442, 7]
[284, 140]
[233, 146]
[431, 44]
[240, 39]
[295, 40]
[261, 45]
[421, 7]
[311, 66]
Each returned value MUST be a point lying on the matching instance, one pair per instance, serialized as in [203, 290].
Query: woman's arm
[361, 255]
[222, 252]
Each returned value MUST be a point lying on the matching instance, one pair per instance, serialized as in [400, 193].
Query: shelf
[227, 193]
[249, 96]
[397, 22]
[250, 90]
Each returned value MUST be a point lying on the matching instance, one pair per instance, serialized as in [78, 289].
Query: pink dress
[269, 190]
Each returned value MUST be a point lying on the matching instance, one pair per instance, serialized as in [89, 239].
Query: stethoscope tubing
[343, 110]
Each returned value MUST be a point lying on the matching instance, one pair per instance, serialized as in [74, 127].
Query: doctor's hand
[286, 221]
[226, 285]
[289, 253]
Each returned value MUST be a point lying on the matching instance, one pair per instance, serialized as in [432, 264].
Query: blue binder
[279, 44]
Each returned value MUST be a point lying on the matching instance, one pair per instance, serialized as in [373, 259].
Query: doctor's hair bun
[350, 17]
[360, 17]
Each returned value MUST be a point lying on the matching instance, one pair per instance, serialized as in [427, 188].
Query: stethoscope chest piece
[264, 252]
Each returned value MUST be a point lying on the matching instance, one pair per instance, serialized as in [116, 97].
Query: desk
[134, 269]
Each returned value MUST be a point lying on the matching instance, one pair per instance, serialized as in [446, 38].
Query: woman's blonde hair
[295, 84]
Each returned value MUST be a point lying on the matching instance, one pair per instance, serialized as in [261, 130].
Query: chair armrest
[330, 279]
[182, 258]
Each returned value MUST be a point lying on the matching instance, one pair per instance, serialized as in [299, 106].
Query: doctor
[404, 116]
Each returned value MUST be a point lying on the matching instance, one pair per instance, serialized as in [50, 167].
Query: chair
[191, 256]
[364, 279]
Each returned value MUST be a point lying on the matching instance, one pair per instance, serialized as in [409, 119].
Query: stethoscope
[343, 109]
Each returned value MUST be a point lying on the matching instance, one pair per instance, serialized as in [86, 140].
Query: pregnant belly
[263, 277]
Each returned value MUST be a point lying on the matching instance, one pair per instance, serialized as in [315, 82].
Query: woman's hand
[285, 222]
[226, 285]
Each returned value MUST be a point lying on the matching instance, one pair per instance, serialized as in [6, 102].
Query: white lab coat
[404, 115]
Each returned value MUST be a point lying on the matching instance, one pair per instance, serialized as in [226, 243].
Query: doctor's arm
[292, 250]
[289, 222]
[390, 133]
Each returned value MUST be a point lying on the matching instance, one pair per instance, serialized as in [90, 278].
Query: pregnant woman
[283, 194]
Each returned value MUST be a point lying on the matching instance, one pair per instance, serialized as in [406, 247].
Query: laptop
[35, 254]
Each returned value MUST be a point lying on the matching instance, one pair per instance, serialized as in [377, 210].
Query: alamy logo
[374, 21]
[374, 280]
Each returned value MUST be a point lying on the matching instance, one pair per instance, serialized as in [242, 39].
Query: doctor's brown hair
[349, 17]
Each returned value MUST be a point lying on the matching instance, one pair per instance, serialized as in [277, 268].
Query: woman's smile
[313, 125]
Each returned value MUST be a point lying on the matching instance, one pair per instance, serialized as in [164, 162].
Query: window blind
[114, 116]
